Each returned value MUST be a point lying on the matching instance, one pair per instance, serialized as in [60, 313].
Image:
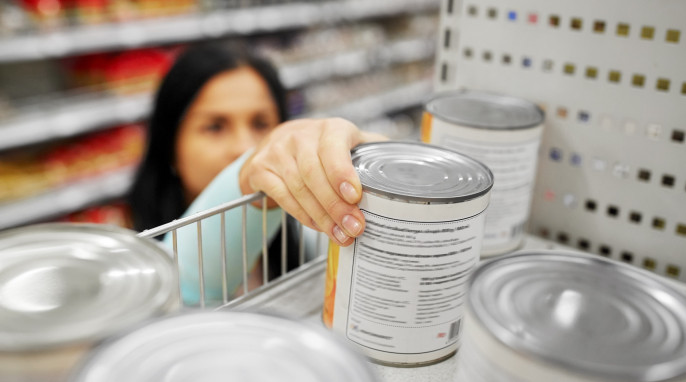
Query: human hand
[305, 167]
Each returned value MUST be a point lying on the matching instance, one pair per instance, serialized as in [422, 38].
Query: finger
[366, 137]
[310, 204]
[275, 188]
[338, 137]
[348, 217]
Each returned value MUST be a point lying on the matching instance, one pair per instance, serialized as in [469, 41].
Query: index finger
[337, 139]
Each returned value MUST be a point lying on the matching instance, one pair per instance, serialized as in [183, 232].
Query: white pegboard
[611, 76]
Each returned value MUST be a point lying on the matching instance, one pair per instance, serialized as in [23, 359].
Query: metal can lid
[63, 284]
[224, 346]
[419, 172]
[583, 313]
[485, 110]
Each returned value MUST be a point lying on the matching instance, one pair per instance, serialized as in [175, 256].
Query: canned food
[224, 346]
[569, 317]
[63, 287]
[504, 133]
[397, 292]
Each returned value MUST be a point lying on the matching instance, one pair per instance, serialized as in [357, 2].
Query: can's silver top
[583, 313]
[420, 173]
[63, 284]
[484, 110]
[224, 346]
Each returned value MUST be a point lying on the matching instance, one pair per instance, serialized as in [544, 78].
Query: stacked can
[569, 317]
[65, 287]
[224, 346]
[397, 292]
[504, 133]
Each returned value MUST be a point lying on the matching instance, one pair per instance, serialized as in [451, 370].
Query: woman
[217, 132]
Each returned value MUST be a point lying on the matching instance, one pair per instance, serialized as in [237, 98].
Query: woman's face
[232, 112]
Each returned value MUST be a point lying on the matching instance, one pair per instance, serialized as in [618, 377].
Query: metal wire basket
[221, 210]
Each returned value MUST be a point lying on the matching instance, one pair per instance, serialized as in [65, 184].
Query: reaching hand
[304, 166]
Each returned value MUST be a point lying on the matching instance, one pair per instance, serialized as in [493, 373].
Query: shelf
[116, 184]
[51, 122]
[67, 199]
[82, 115]
[357, 61]
[193, 27]
[366, 108]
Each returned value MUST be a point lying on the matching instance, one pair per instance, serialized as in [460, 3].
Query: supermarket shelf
[193, 27]
[66, 199]
[366, 108]
[74, 117]
[115, 184]
[357, 61]
[69, 119]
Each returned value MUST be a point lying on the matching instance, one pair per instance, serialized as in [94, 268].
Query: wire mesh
[221, 210]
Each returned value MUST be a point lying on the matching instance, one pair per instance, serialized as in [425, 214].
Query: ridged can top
[224, 346]
[585, 314]
[63, 284]
[484, 110]
[420, 173]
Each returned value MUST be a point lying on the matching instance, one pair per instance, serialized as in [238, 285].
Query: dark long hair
[157, 195]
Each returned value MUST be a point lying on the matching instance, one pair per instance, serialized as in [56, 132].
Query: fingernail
[340, 236]
[349, 193]
[352, 225]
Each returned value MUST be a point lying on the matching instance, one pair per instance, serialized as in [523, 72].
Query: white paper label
[514, 168]
[408, 282]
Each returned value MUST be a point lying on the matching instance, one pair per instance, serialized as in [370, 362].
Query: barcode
[454, 329]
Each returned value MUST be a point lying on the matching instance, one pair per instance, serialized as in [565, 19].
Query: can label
[513, 163]
[399, 289]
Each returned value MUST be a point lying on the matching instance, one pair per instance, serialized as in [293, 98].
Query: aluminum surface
[63, 284]
[420, 173]
[485, 110]
[585, 314]
[224, 346]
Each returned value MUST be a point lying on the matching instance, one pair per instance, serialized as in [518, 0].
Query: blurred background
[77, 79]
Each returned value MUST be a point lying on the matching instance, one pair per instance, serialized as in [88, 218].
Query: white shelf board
[375, 105]
[66, 199]
[69, 118]
[73, 118]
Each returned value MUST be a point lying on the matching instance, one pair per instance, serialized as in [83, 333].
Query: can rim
[427, 199]
[478, 94]
[655, 373]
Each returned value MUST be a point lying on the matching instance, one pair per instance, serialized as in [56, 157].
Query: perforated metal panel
[611, 76]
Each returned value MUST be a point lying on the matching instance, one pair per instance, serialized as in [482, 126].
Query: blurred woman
[218, 132]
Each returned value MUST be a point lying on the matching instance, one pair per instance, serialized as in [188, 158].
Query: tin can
[224, 346]
[504, 133]
[64, 287]
[397, 291]
[570, 317]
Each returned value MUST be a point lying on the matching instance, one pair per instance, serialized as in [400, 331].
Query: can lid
[224, 346]
[63, 284]
[583, 313]
[485, 110]
[419, 172]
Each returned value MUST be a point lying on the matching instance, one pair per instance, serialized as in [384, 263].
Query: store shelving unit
[195, 27]
[116, 184]
[65, 199]
[72, 117]
[83, 114]
[65, 115]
